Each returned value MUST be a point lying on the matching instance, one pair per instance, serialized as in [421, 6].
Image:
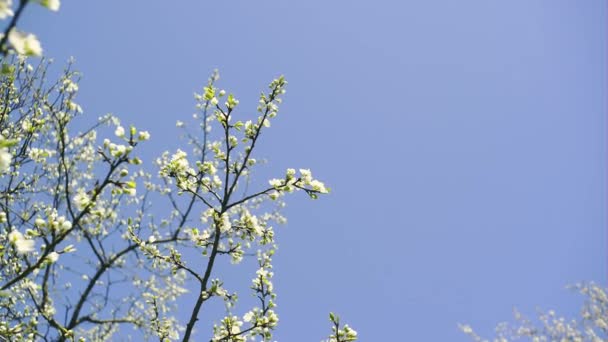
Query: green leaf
[332, 317]
[8, 143]
[7, 69]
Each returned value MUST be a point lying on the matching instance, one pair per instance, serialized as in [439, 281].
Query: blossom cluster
[232, 224]
[63, 196]
[23, 43]
[79, 215]
[591, 326]
[341, 333]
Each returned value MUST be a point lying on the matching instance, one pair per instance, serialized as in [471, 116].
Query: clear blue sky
[464, 142]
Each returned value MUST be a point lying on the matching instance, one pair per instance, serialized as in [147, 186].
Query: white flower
[70, 86]
[22, 244]
[14, 236]
[5, 159]
[276, 183]
[351, 334]
[66, 225]
[5, 156]
[233, 141]
[74, 106]
[25, 43]
[118, 150]
[306, 176]
[224, 222]
[52, 257]
[120, 131]
[274, 195]
[6, 9]
[466, 329]
[144, 135]
[39, 155]
[81, 199]
[291, 173]
[318, 186]
[30, 285]
[53, 5]
[61, 224]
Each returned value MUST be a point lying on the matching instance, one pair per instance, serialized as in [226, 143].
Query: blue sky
[464, 142]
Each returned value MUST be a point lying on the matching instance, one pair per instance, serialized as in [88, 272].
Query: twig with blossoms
[25, 44]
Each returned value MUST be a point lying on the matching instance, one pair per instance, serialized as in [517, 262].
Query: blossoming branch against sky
[464, 144]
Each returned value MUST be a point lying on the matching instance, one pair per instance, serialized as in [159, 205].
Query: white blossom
[144, 135]
[120, 131]
[306, 176]
[22, 244]
[224, 222]
[82, 199]
[52, 257]
[248, 316]
[24, 43]
[318, 186]
[5, 159]
[52, 5]
[70, 86]
[6, 9]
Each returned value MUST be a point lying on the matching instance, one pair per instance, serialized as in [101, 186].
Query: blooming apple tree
[88, 251]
